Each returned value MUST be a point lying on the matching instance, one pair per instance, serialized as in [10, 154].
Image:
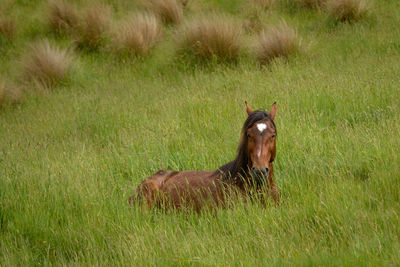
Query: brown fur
[238, 178]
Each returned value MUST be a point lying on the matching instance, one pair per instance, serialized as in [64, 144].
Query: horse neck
[236, 171]
[241, 176]
[271, 175]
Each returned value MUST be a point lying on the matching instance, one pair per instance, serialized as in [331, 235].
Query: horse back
[180, 188]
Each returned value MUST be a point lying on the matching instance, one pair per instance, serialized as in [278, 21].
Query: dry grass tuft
[264, 4]
[254, 21]
[93, 27]
[347, 10]
[8, 28]
[311, 3]
[170, 11]
[184, 2]
[138, 34]
[63, 16]
[9, 94]
[210, 37]
[280, 41]
[47, 64]
[2, 93]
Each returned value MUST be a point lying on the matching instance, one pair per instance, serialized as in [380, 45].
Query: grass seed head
[47, 64]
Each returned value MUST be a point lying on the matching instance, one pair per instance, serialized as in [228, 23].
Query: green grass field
[71, 156]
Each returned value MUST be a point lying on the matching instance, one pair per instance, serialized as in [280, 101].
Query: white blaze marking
[261, 127]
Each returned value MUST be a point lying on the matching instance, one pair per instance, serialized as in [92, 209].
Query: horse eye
[273, 136]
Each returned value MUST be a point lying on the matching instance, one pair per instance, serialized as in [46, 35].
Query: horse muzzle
[259, 175]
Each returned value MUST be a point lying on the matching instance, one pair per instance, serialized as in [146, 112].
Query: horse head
[259, 142]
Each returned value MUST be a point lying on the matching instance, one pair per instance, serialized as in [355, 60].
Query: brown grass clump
[311, 3]
[9, 94]
[347, 10]
[264, 4]
[2, 94]
[94, 25]
[8, 28]
[280, 41]
[63, 16]
[170, 11]
[47, 64]
[184, 2]
[138, 34]
[210, 37]
[254, 21]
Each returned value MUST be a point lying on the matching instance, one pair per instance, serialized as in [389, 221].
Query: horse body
[181, 189]
[252, 168]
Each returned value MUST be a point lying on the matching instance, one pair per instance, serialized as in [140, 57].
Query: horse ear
[248, 109]
[272, 113]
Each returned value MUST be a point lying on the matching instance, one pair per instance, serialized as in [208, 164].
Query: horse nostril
[264, 171]
[260, 171]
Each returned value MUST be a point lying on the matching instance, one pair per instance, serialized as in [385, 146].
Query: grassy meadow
[73, 149]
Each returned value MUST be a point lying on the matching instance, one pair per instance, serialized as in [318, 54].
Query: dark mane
[238, 167]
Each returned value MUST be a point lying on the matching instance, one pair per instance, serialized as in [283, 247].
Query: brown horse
[251, 169]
